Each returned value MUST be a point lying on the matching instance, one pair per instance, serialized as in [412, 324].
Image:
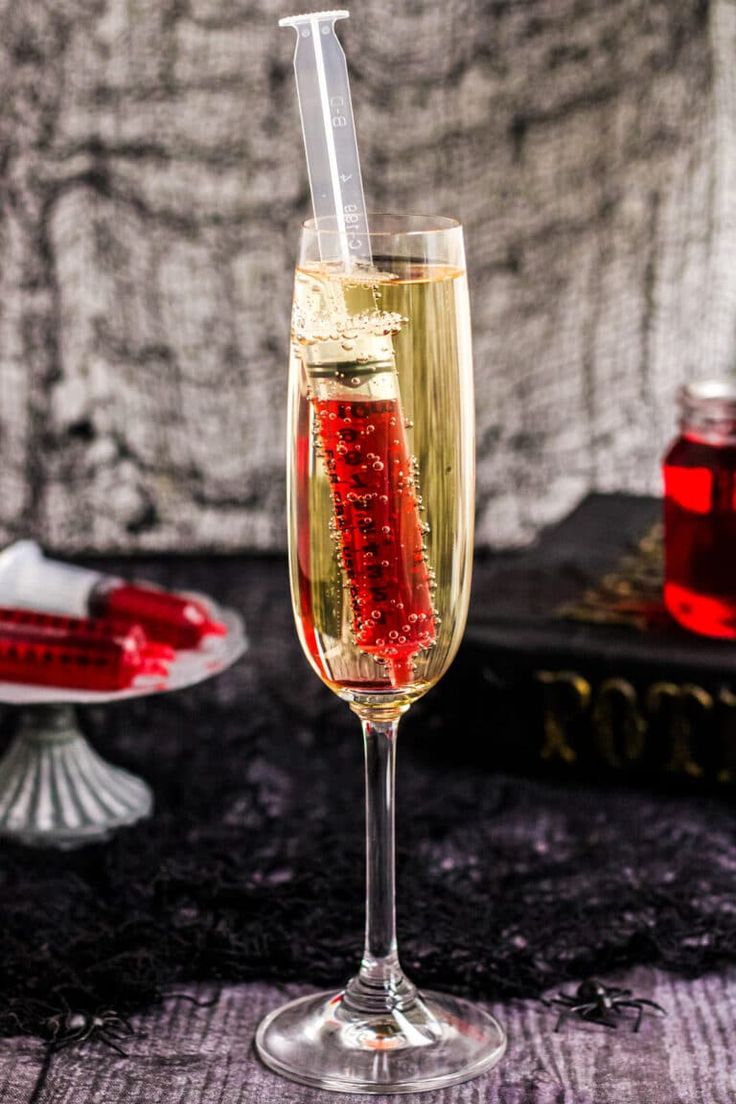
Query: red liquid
[379, 530]
[77, 661]
[60, 626]
[170, 618]
[700, 536]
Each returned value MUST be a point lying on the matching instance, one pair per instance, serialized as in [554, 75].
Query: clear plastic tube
[330, 143]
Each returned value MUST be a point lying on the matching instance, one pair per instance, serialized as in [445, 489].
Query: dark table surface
[196, 1055]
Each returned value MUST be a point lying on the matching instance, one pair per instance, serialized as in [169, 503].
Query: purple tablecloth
[193, 1055]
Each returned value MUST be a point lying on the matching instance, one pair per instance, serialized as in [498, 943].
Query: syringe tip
[151, 666]
[153, 649]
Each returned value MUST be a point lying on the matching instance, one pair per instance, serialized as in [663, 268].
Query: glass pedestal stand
[55, 790]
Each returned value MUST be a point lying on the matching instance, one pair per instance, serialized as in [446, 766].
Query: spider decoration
[103, 1026]
[598, 1003]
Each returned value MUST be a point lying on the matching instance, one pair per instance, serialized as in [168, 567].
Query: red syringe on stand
[54, 625]
[83, 656]
[29, 579]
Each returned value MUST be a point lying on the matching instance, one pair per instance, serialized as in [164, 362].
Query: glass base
[56, 791]
[437, 1040]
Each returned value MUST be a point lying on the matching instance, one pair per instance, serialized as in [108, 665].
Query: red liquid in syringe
[171, 618]
[91, 630]
[78, 661]
[380, 534]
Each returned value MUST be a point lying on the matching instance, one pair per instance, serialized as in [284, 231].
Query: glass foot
[437, 1040]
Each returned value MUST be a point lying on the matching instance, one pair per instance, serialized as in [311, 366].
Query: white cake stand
[55, 790]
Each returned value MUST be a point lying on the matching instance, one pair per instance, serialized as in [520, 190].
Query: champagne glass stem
[380, 984]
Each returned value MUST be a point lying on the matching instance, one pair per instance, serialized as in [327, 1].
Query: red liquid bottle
[700, 511]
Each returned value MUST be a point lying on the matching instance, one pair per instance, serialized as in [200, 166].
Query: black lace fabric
[252, 866]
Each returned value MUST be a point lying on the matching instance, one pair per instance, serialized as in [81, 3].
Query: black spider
[103, 1026]
[595, 1002]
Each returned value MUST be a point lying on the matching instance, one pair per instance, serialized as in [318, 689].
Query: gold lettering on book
[679, 729]
[619, 729]
[681, 712]
[726, 736]
[566, 697]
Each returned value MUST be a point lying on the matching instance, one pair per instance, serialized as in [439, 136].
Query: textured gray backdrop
[152, 181]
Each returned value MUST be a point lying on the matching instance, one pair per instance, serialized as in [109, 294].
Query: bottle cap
[30, 580]
[708, 410]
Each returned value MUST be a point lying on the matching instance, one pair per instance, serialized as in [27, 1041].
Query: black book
[571, 664]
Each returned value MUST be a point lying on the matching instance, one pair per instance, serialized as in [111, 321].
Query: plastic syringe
[30, 580]
[379, 530]
[79, 660]
[330, 143]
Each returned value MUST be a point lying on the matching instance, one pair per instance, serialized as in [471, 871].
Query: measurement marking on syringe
[338, 119]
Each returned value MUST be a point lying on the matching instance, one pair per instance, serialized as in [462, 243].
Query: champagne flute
[380, 506]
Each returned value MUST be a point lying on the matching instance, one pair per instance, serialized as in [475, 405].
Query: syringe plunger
[329, 138]
[297, 20]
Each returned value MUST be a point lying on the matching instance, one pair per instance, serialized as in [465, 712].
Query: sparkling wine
[382, 459]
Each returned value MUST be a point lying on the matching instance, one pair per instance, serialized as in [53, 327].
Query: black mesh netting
[252, 865]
